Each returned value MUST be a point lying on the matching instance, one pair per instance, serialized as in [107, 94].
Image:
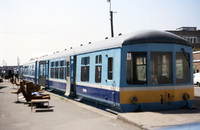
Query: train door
[43, 73]
[68, 78]
[112, 73]
[111, 79]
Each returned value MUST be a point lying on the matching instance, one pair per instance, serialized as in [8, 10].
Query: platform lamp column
[111, 19]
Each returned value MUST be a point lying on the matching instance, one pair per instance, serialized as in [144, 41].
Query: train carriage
[143, 71]
[29, 71]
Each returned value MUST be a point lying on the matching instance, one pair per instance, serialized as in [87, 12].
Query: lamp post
[111, 19]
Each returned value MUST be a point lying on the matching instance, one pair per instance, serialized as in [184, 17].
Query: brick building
[190, 34]
[196, 61]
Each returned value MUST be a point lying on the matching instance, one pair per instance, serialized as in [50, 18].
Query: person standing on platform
[16, 73]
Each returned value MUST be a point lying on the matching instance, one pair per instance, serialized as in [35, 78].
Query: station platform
[140, 120]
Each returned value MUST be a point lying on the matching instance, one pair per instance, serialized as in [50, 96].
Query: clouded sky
[32, 28]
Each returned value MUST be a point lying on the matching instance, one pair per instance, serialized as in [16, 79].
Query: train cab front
[156, 76]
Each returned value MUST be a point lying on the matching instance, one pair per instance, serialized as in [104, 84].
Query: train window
[61, 72]
[161, 68]
[110, 68]
[98, 69]
[136, 68]
[42, 69]
[33, 70]
[56, 73]
[98, 59]
[85, 73]
[62, 69]
[52, 72]
[25, 70]
[182, 67]
[52, 69]
[85, 60]
[98, 74]
[85, 68]
[61, 63]
[52, 64]
[56, 63]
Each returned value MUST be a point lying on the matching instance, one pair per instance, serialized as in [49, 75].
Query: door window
[110, 68]
[98, 69]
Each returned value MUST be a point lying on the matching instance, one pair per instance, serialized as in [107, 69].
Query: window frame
[98, 69]
[85, 69]
[164, 61]
[110, 68]
[185, 57]
[134, 62]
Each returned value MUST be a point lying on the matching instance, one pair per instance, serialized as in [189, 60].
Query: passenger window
[62, 69]
[42, 69]
[136, 68]
[98, 69]
[61, 73]
[52, 69]
[98, 74]
[25, 70]
[85, 68]
[182, 67]
[57, 69]
[56, 72]
[161, 68]
[110, 68]
[32, 70]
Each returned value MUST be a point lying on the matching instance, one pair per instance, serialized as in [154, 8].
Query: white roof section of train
[119, 41]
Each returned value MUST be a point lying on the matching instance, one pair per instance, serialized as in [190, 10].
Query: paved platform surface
[61, 110]
[64, 114]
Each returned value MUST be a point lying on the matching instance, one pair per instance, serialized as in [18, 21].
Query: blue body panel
[57, 85]
[102, 94]
[28, 78]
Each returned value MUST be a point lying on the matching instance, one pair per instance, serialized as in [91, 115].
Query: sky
[33, 28]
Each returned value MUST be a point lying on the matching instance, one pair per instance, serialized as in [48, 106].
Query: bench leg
[31, 106]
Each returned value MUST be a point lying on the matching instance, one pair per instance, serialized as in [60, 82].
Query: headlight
[134, 99]
[186, 96]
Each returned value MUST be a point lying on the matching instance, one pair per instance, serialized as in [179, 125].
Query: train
[147, 70]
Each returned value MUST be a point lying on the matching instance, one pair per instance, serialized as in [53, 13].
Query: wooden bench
[39, 101]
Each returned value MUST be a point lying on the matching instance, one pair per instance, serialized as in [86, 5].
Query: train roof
[155, 37]
[117, 42]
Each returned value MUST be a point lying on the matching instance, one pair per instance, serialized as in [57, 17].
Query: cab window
[161, 68]
[136, 68]
[182, 67]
